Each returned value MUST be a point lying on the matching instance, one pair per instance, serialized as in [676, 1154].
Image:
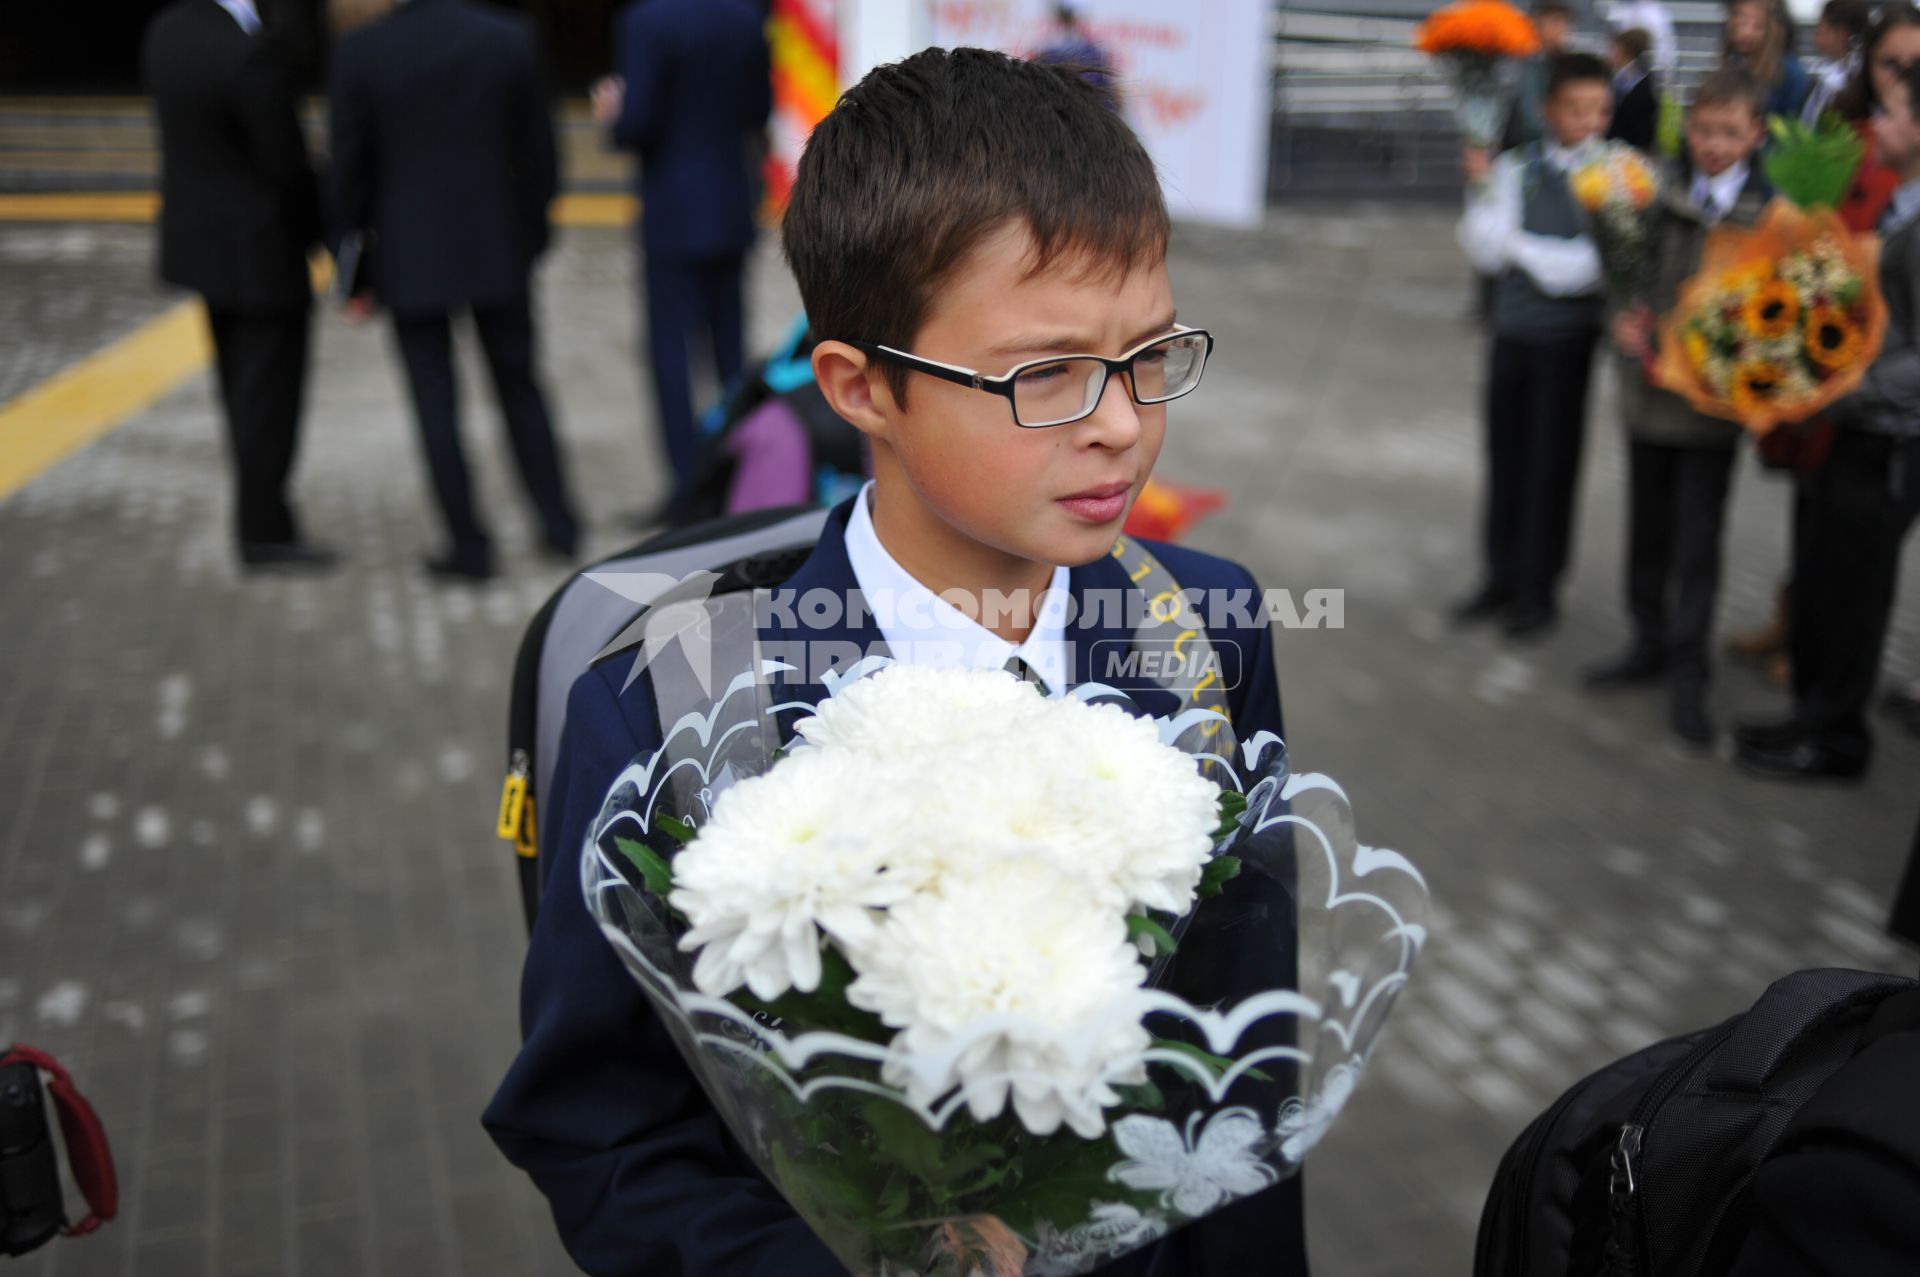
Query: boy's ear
[852, 386]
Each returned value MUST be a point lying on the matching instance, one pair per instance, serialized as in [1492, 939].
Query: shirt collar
[244, 13]
[921, 628]
[1567, 158]
[1628, 77]
[1904, 205]
[1725, 188]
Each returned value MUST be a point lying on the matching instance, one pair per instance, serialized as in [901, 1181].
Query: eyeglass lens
[1064, 390]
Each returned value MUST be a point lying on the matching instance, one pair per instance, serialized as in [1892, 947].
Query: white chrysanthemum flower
[804, 849]
[1151, 811]
[904, 708]
[1019, 937]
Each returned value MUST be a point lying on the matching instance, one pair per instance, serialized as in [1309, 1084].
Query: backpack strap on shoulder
[1187, 666]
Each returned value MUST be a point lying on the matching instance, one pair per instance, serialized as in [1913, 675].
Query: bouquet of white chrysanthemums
[942, 963]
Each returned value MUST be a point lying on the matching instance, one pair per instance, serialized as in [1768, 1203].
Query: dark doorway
[94, 47]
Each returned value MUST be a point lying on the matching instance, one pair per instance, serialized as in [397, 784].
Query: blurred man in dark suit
[444, 165]
[1636, 91]
[239, 212]
[692, 98]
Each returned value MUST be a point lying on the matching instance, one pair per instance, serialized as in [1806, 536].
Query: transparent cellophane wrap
[1737, 254]
[1262, 1020]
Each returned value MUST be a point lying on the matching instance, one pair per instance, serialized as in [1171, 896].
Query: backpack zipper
[1628, 1251]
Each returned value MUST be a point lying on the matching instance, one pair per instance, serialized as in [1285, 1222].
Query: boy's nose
[1115, 421]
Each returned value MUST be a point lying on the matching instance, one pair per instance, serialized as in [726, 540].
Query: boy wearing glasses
[981, 246]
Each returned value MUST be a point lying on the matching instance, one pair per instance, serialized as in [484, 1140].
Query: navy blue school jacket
[699, 90]
[602, 1112]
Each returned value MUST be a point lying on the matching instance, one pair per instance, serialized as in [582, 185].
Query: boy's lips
[1101, 504]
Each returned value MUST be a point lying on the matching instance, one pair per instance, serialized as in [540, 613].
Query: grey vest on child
[1521, 312]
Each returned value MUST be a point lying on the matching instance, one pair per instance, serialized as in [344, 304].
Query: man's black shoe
[1636, 667]
[460, 567]
[1529, 620]
[286, 556]
[1769, 733]
[1484, 604]
[1801, 759]
[1687, 715]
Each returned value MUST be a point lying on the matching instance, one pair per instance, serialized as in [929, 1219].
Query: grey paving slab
[248, 886]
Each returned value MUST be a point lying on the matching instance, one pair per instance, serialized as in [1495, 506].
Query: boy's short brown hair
[1575, 68]
[1634, 42]
[926, 157]
[1731, 86]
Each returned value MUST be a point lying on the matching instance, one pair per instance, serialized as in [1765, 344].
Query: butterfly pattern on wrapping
[1112, 1228]
[1194, 1175]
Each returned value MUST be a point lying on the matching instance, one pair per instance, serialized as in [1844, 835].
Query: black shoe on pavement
[1768, 733]
[1484, 604]
[1801, 759]
[286, 556]
[1637, 666]
[460, 567]
[1530, 620]
[1687, 715]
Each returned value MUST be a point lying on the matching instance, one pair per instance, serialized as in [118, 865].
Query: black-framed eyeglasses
[1062, 389]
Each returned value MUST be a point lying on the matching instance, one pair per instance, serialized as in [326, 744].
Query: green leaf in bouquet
[655, 872]
[1139, 924]
[1218, 873]
[819, 1185]
[677, 829]
[825, 1009]
[1144, 1096]
[893, 1201]
[1216, 1065]
[1232, 804]
[1813, 166]
[901, 1138]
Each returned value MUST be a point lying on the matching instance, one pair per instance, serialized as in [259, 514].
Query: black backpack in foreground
[1695, 1157]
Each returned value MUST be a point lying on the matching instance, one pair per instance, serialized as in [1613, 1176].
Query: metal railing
[1348, 88]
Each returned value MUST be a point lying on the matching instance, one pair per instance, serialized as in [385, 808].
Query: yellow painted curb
[117, 206]
[71, 409]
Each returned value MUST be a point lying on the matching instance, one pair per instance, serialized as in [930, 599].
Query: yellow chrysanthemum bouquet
[1617, 189]
[1784, 317]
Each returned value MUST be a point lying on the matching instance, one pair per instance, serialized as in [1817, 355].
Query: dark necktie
[1017, 666]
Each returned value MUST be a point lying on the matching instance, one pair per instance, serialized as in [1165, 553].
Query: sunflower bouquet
[1473, 37]
[994, 982]
[1617, 188]
[1782, 320]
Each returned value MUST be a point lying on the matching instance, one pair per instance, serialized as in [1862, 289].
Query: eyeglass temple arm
[932, 367]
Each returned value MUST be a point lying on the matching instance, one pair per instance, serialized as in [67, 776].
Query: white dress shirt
[1827, 83]
[1493, 239]
[921, 628]
[1715, 196]
[244, 13]
[1902, 208]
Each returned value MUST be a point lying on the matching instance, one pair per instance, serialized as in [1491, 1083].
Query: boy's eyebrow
[1073, 344]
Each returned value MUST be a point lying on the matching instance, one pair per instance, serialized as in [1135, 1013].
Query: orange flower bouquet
[1781, 320]
[1473, 36]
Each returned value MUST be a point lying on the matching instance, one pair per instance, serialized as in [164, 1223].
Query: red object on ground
[88, 1154]
[1164, 511]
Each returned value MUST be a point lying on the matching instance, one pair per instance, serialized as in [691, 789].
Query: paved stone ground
[247, 881]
